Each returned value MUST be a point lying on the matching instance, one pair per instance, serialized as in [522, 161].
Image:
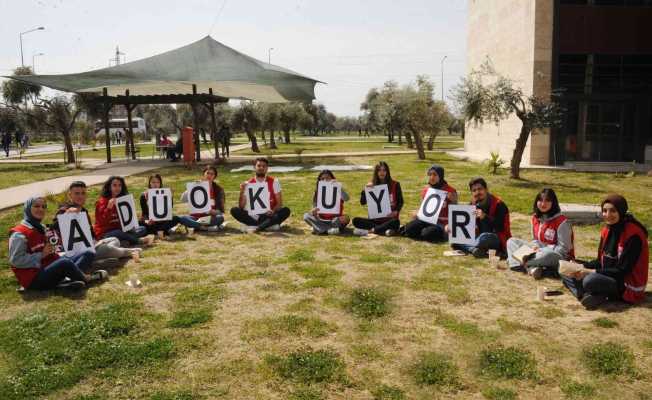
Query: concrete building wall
[517, 37]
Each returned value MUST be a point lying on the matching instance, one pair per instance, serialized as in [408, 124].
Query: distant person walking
[6, 143]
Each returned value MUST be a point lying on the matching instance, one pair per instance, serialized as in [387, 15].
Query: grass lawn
[295, 316]
[338, 147]
[20, 174]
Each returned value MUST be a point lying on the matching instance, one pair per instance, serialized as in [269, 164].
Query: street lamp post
[442, 77]
[33, 63]
[269, 55]
[22, 61]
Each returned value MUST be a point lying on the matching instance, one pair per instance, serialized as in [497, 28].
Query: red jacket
[443, 214]
[106, 219]
[270, 187]
[546, 232]
[35, 243]
[636, 280]
[507, 230]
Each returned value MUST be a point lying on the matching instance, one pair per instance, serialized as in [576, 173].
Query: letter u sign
[329, 197]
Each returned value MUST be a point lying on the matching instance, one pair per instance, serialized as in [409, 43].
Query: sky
[351, 45]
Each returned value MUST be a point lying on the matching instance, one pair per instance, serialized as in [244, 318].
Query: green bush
[608, 359]
[605, 323]
[309, 366]
[385, 392]
[187, 317]
[435, 369]
[509, 362]
[496, 393]
[369, 303]
[575, 390]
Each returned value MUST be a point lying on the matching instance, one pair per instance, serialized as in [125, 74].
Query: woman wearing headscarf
[620, 272]
[552, 238]
[34, 260]
[420, 230]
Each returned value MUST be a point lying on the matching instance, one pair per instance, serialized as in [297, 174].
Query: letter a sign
[199, 197]
[257, 195]
[75, 233]
[461, 223]
[431, 205]
[159, 202]
[329, 197]
[378, 202]
[127, 212]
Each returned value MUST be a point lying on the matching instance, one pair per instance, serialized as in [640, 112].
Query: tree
[496, 100]
[245, 118]
[289, 118]
[159, 118]
[58, 113]
[270, 118]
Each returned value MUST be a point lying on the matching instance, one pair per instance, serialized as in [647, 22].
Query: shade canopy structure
[202, 73]
[207, 64]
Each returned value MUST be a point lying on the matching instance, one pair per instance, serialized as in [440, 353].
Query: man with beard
[270, 220]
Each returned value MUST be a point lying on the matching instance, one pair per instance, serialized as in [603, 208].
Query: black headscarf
[620, 204]
[439, 170]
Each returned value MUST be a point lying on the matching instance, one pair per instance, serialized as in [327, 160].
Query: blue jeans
[191, 222]
[65, 267]
[132, 236]
[484, 242]
[595, 283]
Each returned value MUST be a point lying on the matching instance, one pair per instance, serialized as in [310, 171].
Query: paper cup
[191, 231]
[135, 255]
[160, 235]
[492, 253]
[541, 293]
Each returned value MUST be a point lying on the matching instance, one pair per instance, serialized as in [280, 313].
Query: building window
[579, 73]
[633, 3]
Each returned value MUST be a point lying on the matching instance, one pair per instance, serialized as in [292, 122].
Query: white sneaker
[390, 232]
[99, 275]
[274, 228]
[213, 228]
[334, 231]
[360, 232]
[247, 229]
[174, 229]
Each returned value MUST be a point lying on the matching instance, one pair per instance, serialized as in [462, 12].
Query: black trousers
[164, 226]
[264, 221]
[417, 229]
[379, 226]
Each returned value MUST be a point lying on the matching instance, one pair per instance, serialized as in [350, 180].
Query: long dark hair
[154, 176]
[323, 172]
[376, 180]
[549, 194]
[106, 188]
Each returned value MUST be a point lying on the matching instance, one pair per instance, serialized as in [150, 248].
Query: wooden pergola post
[195, 119]
[130, 131]
[106, 110]
[211, 109]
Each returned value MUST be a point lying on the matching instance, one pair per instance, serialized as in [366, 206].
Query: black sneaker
[593, 301]
[479, 253]
[536, 272]
[71, 285]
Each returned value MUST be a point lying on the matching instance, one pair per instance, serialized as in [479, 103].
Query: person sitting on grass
[387, 225]
[108, 251]
[270, 220]
[552, 238]
[492, 222]
[213, 220]
[621, 270]
[155, 181]
[34, 260]
[420, 230]
[107, 223]
[327, 223]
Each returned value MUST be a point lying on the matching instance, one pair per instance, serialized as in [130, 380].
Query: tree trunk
[418, 140]
[287, 136]
[515, 166]
[272, 141]
[400, 137]
[408, 139]
[262, 133]
[70, 152]
[431, 140]
[254, 142]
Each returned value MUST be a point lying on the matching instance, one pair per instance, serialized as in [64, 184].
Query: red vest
[35, 243]
[506, 233]
[332, 216]
[106, 219]
[443, 214]
[636, 280]
[546, 232]
[270, 187]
